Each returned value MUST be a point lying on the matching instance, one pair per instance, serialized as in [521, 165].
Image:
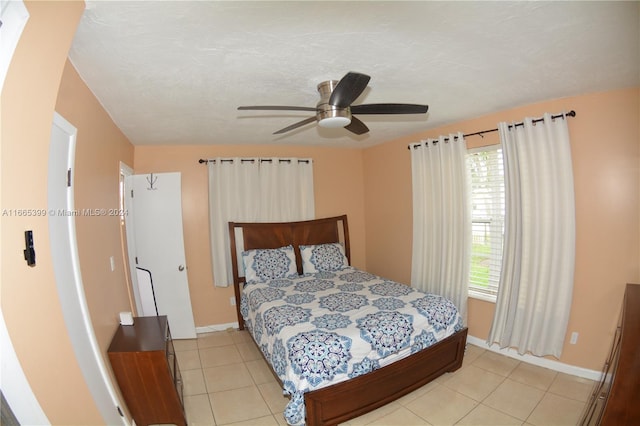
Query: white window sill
[482, 296]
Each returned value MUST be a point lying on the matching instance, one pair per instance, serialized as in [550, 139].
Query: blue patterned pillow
[266, 264]
[323, 257]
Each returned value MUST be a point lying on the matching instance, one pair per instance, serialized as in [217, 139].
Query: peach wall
[338, 182]
[29, 297]
[605, 146]
[100, 146]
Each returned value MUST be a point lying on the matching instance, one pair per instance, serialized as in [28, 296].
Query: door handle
[181, 268]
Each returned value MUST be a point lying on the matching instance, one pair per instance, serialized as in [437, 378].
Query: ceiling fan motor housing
[328, 115]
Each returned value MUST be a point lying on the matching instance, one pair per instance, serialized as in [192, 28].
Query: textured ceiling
[175, 72]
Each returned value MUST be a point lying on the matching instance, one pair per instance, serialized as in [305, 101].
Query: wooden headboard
[248, 236]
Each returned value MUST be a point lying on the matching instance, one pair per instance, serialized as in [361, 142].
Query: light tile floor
[226, 381]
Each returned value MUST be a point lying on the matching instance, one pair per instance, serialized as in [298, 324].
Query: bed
[310, 313]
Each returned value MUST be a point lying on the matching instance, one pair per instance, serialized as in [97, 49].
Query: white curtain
[441, 219]
[536, 283]
[286, 190]
[254, 190]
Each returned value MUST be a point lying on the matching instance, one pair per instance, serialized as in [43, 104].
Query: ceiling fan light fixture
[334, 122]
[332, 118]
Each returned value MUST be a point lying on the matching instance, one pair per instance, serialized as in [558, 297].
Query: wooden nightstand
[144, 363]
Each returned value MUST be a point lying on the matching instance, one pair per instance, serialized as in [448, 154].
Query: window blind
[487, 220]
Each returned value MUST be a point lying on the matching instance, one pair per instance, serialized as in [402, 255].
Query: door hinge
[132, 193]
[120, 411]
[69, 178]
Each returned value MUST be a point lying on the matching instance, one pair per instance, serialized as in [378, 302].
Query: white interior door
[66, 266]
[159, 245]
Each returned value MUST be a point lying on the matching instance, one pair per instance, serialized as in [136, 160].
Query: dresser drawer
[144, 362]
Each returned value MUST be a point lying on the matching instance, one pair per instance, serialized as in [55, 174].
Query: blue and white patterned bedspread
[320, 329]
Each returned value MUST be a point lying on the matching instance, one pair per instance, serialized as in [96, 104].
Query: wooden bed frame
[346, 400]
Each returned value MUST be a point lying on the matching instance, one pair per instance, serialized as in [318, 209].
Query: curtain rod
[571, 113]
[251, 160]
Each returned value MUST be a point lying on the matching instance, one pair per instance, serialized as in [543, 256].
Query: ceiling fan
[335, 110]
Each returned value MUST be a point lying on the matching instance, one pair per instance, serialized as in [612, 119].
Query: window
[487, 220]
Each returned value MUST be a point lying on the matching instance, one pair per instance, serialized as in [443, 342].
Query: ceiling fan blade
[296, 125]
[356, 126]
[348, 89]
[275, 108]
[389, 109]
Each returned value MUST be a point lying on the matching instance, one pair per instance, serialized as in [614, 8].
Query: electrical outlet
[232, 301]
[574, 338]
[112, 261]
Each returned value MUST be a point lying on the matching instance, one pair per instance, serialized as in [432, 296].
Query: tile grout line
[524, 384]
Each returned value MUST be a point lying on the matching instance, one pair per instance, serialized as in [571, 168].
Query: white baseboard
[540, 362]
[216, 327]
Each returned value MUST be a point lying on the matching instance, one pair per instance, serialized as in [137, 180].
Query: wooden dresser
[616, 398]
[144, 363]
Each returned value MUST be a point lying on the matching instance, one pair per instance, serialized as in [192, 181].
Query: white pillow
[266, 264]
[323, 257]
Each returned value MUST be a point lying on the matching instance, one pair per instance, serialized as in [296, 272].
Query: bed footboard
[343, 401]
